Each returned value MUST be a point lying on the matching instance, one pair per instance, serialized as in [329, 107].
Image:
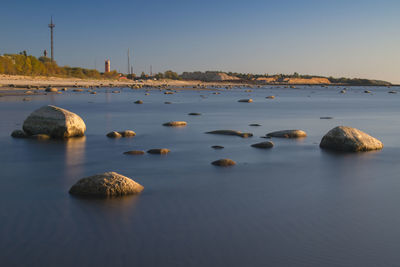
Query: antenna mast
[51, 26]
[129, 65]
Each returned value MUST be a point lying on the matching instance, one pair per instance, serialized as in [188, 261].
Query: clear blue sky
[350, 38]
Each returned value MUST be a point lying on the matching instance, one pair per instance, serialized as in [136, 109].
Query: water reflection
[74, 156]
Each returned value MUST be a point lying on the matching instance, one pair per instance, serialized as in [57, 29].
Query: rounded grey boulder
[348, 139]
[55, 122]
[108, 184]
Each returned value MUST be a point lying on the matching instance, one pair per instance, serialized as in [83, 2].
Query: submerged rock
[167, 102]
[367, 91]
[326, 118]
[138, 102]
[348, 139]
[19, 134]
[255, 124]
[126, 133]
[246, 100]
[77, 90]
[175, 123]
[223, 162]
[217, 147]
[55, 122]
[264, 145]
[270, 97]
[134, 152]
[231, 132]
[161, 151]
[288, 134]
[108, 184]
[194, 114]
[392, 92]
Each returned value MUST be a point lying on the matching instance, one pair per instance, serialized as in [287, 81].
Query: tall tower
[129, 66]
[107, 67]
[51, 26]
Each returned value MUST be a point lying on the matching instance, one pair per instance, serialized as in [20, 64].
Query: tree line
[24, 64]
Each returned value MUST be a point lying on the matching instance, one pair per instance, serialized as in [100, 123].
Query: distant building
[107, 66]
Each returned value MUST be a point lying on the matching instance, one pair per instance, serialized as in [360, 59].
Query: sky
[326, 37]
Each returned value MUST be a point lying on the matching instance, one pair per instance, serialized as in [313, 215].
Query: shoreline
[24, 83]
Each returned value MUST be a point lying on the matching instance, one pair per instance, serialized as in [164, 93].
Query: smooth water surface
[292, 205]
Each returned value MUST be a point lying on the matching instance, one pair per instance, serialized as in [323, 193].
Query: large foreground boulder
[108, 184]
[55, 122]
[343, 138]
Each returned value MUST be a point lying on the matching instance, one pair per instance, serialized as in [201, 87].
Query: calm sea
[292, 205]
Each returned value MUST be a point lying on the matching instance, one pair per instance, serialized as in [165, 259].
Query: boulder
[127, 133]
[55, 122]
[217, 147]
[263, 145]
[348, 139]
[367, 91]
[108, 184]
[77, 90]
[161, 151]
[231, 132]
[288, 134]
[223, 162]
[246, 100]
[51, 90]
[167, 102]
[194, 114]
[270, 97]
[326, 118]
[134, 152]
[114, 134]
[175, 123]
[138, 102]
[255, 124]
